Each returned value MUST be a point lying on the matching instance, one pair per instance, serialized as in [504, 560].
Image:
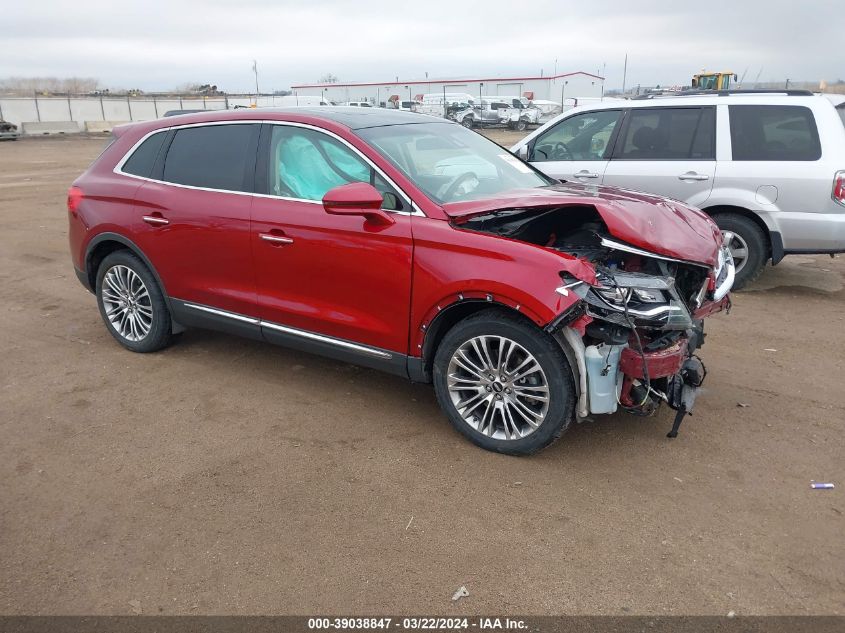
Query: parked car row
[8, 131]
[507, 111]
[409, 244]
[767, 167]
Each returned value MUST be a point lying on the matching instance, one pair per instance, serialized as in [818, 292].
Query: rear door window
[213, 156]
[141, 162]
[774, 132]
[668, 134]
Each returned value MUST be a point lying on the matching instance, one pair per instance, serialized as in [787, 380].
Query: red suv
[412, 245]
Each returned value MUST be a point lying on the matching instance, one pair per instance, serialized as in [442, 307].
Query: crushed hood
[653, 223]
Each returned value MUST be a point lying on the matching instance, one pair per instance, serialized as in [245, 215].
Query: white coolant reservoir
[603, 376]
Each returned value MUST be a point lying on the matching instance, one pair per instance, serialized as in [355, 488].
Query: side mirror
[357, 198]
[522, 153]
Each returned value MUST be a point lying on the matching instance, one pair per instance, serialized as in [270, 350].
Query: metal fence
[82, 109]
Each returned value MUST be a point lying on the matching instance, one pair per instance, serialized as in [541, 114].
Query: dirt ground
[223, 476]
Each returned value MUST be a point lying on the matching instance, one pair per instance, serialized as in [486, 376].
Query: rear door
[578, 147]
[776, 155]
[193, 215]
[670, 151]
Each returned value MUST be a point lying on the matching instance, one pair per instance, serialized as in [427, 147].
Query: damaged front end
[631, 335]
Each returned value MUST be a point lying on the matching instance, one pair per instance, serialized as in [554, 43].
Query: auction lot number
[387, 623]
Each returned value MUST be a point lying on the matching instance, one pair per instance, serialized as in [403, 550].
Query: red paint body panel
[342, 276]
[203, 254]
[450, 262]
[105, 205]
[658, 225]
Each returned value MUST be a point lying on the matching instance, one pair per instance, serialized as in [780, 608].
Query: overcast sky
[158, 45]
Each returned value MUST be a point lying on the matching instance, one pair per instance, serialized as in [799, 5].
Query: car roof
[354, 118]
[780, 98]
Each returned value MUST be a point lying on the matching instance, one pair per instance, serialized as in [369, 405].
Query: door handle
[275, 239]
[586, 174]
[691, 175]
[156, 220]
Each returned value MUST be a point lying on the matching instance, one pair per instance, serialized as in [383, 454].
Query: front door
[577, 148]
[340, 285]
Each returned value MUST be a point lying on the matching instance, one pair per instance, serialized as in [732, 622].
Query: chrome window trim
[118, 168]
[355, 347]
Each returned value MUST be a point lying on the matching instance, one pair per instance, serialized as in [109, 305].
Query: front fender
[453, 265]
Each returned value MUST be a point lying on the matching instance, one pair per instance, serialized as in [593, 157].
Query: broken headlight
[619, 295]
[646, 300]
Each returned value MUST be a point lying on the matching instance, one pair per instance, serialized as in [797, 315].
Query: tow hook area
[682, 389]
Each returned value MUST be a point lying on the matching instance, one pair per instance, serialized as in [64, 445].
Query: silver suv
[768, 167]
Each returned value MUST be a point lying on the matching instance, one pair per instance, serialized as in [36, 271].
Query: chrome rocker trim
[313, 336]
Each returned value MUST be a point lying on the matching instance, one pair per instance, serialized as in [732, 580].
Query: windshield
[451, 163]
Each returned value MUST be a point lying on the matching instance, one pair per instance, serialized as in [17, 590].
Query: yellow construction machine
[713, 81]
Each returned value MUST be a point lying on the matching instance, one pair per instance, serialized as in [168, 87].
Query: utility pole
[255, 70]
[603, 74]
[624, 74]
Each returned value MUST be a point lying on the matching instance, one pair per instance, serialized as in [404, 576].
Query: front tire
[747, 244]
[467, 122]
[521, 125]
[132, 304]
[504, 384]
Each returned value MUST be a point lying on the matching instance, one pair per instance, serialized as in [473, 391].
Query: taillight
[839, 187]
[74, 197]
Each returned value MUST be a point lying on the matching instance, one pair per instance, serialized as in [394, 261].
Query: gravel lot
[224, 476]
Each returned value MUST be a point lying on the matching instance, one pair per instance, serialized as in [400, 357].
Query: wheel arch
[720, 209]
[104, 244]
[448, 317]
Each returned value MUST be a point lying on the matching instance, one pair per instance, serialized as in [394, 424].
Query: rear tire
[506, 413]
[749, 243]
[131, 303]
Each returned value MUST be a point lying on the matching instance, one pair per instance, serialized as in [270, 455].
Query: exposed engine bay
[635, 331]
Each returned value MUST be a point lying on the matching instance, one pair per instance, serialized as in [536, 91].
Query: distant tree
[328, 78]
[197, 88]
[282, 93]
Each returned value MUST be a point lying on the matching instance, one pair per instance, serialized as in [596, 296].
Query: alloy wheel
[498, 387]
[127, 303]
[738, 248]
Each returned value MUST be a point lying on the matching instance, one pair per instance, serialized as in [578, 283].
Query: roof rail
[724, 93]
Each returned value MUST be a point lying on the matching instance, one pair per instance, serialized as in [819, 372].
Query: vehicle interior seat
[645, 141]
